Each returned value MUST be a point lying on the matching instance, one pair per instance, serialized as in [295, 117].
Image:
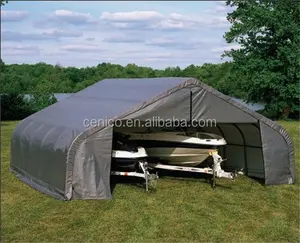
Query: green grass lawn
[180, 210]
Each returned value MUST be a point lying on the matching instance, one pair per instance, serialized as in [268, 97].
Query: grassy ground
[185, 210]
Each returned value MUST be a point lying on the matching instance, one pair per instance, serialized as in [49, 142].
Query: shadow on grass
[170, 175]
[134, 181]
[176, 176]
[193, 177]
[258, 180]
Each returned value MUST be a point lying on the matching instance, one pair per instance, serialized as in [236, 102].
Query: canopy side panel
[38, 154]
[91, 173]
[235, 147]
[243, 150]
[175, 106]
[278, 157]
[207, 105]
[253, 150]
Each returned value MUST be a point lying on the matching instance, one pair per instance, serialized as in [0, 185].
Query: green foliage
[3, 2]
[2, 65]
[18, 80]
[42, 80]
[29, 79]
[266, 67]
[14, 107]
[42, 97]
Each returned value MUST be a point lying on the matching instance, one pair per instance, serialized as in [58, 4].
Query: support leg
[217, 169]
[149, 178]
[213, 182]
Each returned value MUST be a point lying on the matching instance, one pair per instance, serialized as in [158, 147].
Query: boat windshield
[205, 136]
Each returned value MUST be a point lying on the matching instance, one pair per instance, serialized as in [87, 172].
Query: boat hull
[124, 164]
[175, 148]
[176, 140]
[178, 156]
[127, 160]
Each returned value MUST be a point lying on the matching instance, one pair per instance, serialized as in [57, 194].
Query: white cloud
[90, 39]
[220, 8]
[13, 16]
[62, 33]
[219, 22]
[50, 34]
[121, 25]
[124, 38]
[65, 17]
[73, 17]
[185, 18]
[131, 16]
[171, 24]
[217, 9]
[134, 20]
[66, 13]
[175, 43]
[155, 20]
[152, 38]
[16, 50]
[141, 55]
[82, 48]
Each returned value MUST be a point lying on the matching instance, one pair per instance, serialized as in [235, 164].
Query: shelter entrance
[243, 149]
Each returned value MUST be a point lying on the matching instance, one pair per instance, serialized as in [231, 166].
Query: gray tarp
[55, 153]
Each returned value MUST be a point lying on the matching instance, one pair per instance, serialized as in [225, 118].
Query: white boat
[126, 155]
[128, 159]
[134, 153]
[123, 160]
[175, 148]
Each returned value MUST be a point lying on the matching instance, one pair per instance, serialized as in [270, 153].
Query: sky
[157, 34]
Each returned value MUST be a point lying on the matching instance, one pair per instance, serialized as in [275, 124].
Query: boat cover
[54, 152]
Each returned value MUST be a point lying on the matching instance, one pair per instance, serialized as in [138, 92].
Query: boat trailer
[151, 179]
[216, 171]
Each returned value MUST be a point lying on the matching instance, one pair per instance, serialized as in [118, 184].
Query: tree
[42, 96]
[2, 65]
[14, 107]
[267, 65]
[3, 2]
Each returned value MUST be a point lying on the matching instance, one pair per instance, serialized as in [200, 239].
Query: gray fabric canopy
[54, 152]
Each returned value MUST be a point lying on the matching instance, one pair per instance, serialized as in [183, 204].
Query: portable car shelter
[55, 153]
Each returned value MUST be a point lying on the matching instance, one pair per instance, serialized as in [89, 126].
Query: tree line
[42, 80]
[28, 78]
